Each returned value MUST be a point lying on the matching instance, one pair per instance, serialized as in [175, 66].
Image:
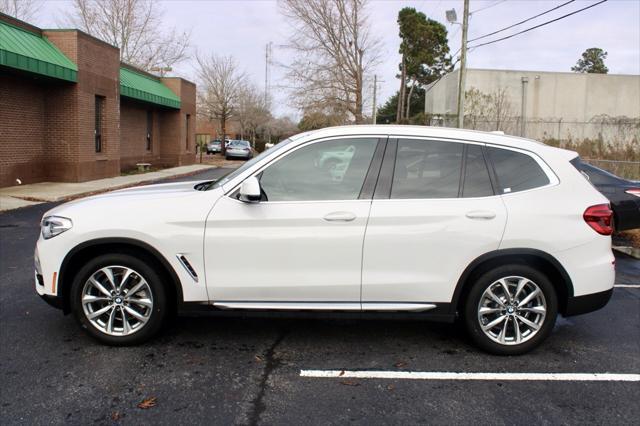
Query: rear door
[434, 211]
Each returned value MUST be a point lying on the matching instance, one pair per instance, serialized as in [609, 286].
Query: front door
[301, 245]
[434, 212]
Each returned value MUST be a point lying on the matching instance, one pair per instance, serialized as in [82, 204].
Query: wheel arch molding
[546, 263]
[87, 249]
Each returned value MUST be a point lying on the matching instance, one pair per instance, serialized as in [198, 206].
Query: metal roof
[28, 51]
[146, 88]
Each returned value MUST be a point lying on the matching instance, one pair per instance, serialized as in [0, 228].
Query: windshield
[231, 175]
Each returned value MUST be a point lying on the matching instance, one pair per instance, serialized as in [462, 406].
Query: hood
[158, 197]
[159, 189]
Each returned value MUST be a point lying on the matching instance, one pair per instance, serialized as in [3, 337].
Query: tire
[506, 337]
[149, 301]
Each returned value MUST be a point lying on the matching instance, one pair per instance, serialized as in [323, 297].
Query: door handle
[339, 217]
[481, 214]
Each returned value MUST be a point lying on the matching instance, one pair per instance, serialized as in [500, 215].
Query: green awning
[146, 88]
[27, 51]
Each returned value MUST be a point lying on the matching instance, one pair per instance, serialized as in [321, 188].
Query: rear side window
[516, 171]
[476, 176]
[427, 169]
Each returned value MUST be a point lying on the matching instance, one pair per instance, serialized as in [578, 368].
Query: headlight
[55, 225]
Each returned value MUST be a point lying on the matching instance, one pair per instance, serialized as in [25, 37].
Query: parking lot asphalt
[236, 370]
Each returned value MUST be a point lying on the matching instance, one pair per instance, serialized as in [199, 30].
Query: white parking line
[627, 285]
[438, 375]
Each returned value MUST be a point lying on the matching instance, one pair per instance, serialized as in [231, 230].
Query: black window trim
[385, 175]
[371, 178]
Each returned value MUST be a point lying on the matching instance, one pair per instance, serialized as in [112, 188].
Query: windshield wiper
[203, 186]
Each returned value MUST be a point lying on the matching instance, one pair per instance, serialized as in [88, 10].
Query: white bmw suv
[502, 232]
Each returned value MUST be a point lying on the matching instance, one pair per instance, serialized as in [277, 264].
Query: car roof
[433, 132]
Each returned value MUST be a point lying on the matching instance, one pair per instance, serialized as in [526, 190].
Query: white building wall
[558, 105]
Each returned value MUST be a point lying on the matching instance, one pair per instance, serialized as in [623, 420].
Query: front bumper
[588, 303]
[55, 301]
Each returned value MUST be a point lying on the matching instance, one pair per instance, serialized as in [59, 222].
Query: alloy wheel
[117, 300]
[512, 310]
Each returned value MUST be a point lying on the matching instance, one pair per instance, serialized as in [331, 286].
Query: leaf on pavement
[349, 383]
[400, 364]
[341, 373]
[258, 358]
[148, 403]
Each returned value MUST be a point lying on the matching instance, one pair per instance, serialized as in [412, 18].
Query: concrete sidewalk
[14, 197]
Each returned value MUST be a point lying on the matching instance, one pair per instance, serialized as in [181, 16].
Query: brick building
[70, 111]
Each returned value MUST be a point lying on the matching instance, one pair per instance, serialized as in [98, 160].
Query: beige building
[555, 105]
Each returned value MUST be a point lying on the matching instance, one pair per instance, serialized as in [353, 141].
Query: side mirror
[250, 190]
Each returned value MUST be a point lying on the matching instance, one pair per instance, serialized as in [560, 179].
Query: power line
[522, 22]
[487, 7]
[539, 25]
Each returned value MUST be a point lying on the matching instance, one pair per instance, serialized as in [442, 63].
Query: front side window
[516, 171]
[427, 169]
[329, 170]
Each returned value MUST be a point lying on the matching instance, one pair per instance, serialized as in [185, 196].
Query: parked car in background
[214, 147]
[623, 194]
[501, 232]
[238, 149]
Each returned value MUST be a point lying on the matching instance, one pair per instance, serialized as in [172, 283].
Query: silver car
[238, 149]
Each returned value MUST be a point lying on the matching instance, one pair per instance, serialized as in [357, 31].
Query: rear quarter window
[516, 171]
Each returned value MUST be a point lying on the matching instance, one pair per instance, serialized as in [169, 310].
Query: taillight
[599, 217]
[633, 191]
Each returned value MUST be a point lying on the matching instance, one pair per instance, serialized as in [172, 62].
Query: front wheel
[119, 299]
[510, 310]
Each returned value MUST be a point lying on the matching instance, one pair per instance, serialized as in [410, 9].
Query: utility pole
[463, 65]
[375, 88]
[267, 76]
[267, 63]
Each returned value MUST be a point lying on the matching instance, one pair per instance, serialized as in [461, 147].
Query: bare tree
[136, 27]
[251, 113]
[476, 107]
[492, 108]
[219, 87]
[333, 52]
[501, 107]
[20, 9]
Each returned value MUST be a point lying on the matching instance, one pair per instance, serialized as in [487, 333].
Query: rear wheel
[510, 310]
[119, 299]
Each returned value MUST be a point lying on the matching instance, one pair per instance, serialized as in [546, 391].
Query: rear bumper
[588, 303]
[238, 154]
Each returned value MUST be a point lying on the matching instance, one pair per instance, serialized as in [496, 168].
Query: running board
[326, 306]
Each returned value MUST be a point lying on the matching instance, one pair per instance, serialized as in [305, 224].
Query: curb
[629, 251]
[101, 191]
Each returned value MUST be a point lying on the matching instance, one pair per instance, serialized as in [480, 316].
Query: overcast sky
[242, 29]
